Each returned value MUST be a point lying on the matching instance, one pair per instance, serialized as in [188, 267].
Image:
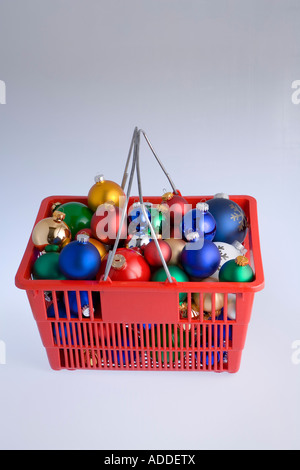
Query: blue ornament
[137, 220]
[84, 300]
[64, 331]
[69, 331]
[209, 358]
[198, 220]
[230, 219]
[62, 312]
[200, 259]
[125, 353]
[79, 259]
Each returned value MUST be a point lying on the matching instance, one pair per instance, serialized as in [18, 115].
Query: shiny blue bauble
[209, 357]
[125, 354]
[136, 219]
[62, 313]
[199, 220]
[65, 333]
[230, 219]
[200, 259]
[80, 260]
[84, 300]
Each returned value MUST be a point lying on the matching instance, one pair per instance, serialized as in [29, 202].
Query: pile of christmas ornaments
[203, 243]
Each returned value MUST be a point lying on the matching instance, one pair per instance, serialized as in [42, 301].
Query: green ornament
[169, 341]
[236, 270]
[78, 216]
[175, 272]
[46, 267]
[159, 221]
[52, 248]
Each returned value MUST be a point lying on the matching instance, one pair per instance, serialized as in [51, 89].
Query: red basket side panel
[136, 306]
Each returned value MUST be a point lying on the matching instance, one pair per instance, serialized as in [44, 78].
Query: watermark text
[296, 93]
[2, 92]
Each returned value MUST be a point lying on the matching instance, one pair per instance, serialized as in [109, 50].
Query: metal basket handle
[135, 151]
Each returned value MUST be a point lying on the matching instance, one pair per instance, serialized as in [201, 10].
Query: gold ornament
[89, 359]
[207, 299]
[176, 245]
[183, 308]
[167, 196]
[104, 191]
[51, 231]
[100, 247]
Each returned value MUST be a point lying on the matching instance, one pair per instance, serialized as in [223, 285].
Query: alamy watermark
[2, 92]
[296, 93]
[296, 354]
[2, 353]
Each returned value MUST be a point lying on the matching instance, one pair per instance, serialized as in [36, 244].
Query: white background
[210, 83]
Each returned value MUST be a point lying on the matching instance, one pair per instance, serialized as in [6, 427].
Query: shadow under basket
[141, 325]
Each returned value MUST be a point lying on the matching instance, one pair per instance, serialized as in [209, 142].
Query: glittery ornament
[231, 221]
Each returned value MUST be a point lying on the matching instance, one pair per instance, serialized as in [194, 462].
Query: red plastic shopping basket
[140, 325]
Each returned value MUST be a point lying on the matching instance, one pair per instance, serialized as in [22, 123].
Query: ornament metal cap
[167, 196]
[109, 205]
[163, 208]
[55, 206]
[192, 236]
[241, 260]
[58, 216]
[202, 206]
[119, 262]
[221, 196]
[85, 311]
[99, 178]
[83, 238]
[239, 247]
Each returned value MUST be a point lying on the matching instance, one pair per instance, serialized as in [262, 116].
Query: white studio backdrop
[215, 87]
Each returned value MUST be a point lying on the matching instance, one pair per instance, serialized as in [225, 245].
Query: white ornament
[228, 252]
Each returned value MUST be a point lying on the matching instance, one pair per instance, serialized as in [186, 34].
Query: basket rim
[22, 280]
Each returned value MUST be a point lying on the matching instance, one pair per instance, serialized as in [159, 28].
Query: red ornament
[85, 231]
[127, 265]
[178, 206]
[151, 253]
[105, 224]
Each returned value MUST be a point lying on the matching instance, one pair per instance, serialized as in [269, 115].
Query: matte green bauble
[46, 267]
[236, 270]
[176, 273]
[78, 216]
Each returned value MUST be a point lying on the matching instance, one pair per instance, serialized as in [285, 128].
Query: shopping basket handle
[135, 150]
[125, 174]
